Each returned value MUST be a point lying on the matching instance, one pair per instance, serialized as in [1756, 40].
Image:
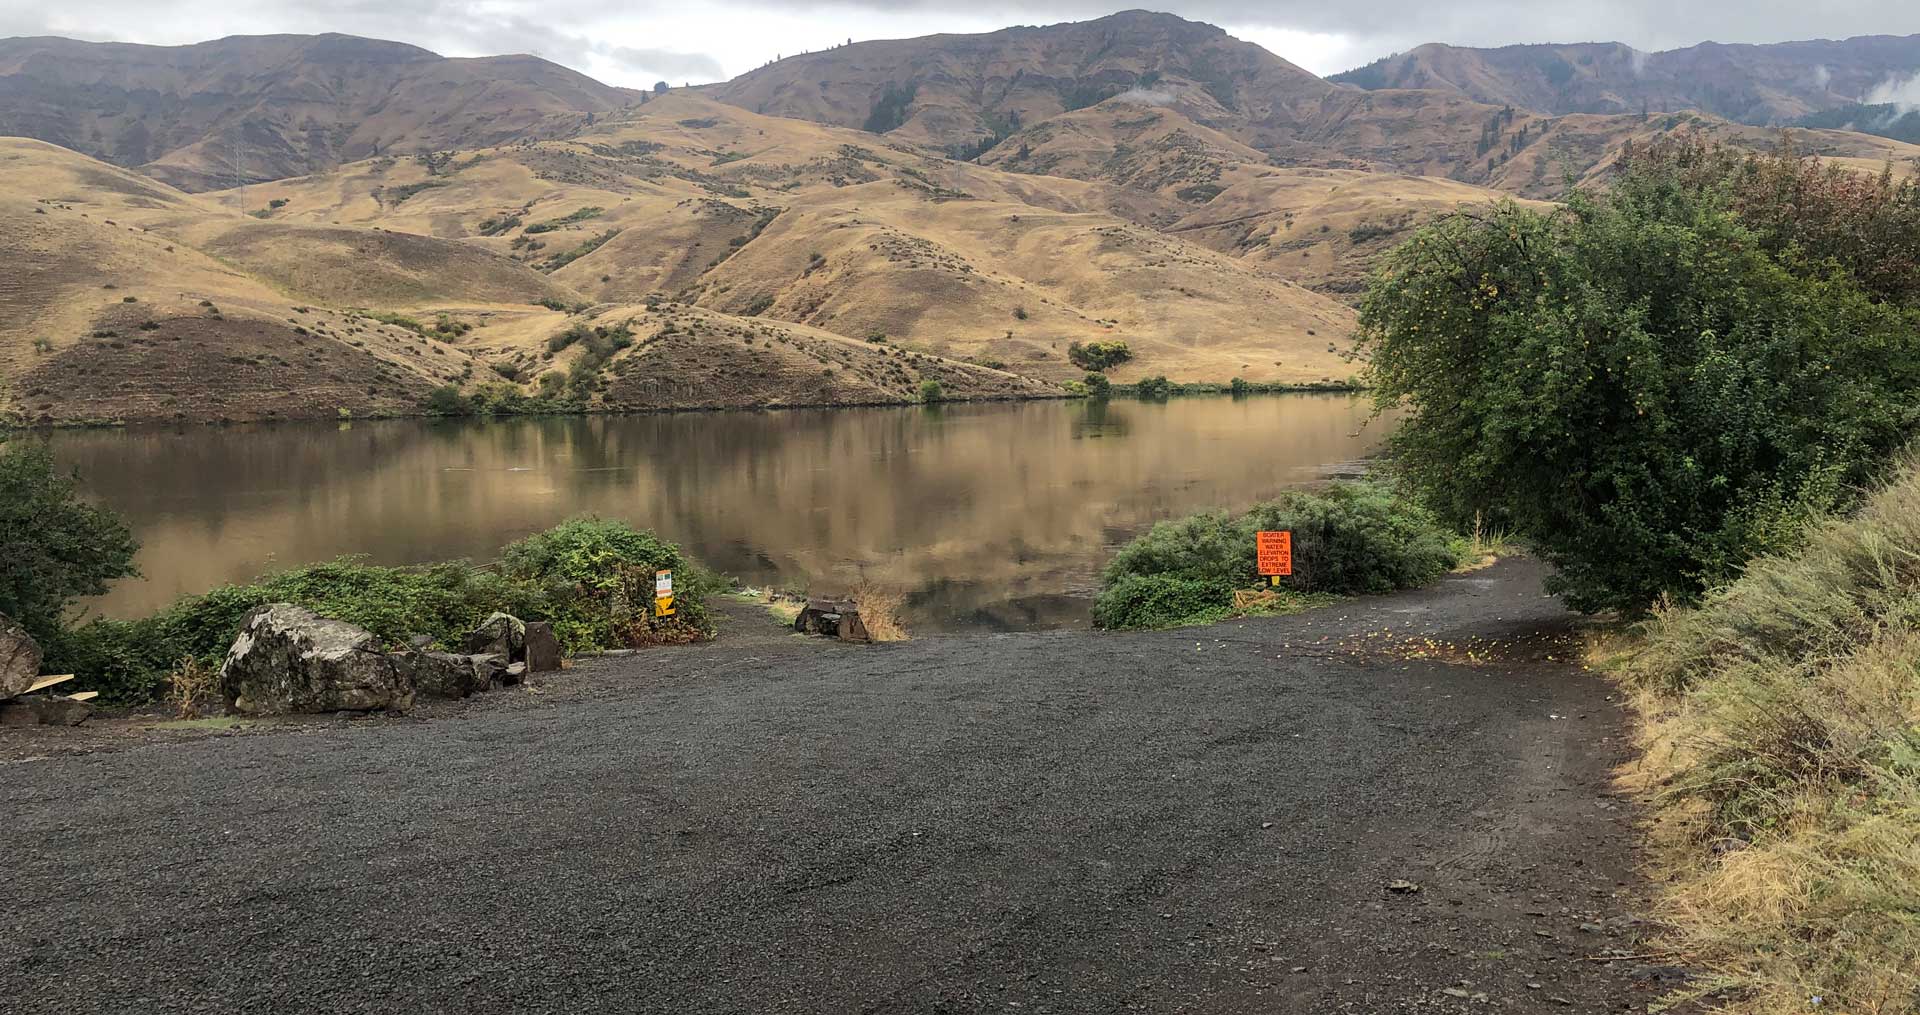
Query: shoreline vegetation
[519, 403]
[486, 403]
[591, 578]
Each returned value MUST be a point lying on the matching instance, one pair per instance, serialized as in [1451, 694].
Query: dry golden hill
[694, 200]
[534, 240]
[263, 107]
[109, 312]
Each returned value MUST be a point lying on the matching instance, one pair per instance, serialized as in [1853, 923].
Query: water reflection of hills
[990, 514]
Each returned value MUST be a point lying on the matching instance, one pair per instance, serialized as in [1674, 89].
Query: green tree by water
[54, 547]
[1637, 383]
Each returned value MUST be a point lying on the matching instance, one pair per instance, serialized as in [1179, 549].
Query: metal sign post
[663, 593]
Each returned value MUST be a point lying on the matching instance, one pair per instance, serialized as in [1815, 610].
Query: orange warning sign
[1274, 552]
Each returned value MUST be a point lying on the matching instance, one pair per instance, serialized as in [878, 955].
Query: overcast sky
[635, 42]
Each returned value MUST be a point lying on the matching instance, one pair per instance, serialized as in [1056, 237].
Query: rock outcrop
[286, 659]
[19, 658]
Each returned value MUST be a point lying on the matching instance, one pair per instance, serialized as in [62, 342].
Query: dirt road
[1203, 820]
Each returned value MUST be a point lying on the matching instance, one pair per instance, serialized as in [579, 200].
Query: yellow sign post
[663, 593]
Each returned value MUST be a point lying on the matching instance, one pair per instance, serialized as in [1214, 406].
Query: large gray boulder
[19, 658]
[286, 659]
[445, 675]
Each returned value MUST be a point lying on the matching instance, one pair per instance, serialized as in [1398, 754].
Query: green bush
[1098, 356]
[592, 578]
[1097, 385]
[1154, 389]
[1142, 602]
[931, 391]
[1637, 384]
[599, 579]
[54, 547]
[1349, 539]
[446, 400]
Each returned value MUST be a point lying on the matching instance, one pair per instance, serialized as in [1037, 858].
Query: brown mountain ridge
[302, 226]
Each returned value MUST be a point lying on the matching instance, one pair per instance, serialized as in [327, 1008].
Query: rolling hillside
[253, 108]
[964, 93]
[1769, 84]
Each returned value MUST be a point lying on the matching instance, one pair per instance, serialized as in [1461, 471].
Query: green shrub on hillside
[1098, 356]
[1350, 539]
[1637, 384]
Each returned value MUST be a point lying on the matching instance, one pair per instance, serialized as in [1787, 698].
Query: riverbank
[1210, 819]
[992, 516]
[537, 409]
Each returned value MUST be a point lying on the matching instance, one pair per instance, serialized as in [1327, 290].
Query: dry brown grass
[190, 687]
[1782, 750]
[880, 607]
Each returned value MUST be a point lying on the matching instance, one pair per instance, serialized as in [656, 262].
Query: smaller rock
[498, 635]
[1456, 992]
[1402, 887]
[543, 649]
[420, 642]
[43, 710]
[516, 674]
[489, 671]
[443, 674]
[1591, 928]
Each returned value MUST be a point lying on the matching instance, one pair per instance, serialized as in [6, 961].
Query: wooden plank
[83, 696]
[45, 682]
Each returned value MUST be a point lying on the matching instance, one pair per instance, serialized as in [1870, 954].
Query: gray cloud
[638, 40]
[1902, 92]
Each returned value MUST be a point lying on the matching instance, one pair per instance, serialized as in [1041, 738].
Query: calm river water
[991, 516]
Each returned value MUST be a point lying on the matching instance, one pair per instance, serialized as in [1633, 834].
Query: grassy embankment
[1783, 756]
[592, 579]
